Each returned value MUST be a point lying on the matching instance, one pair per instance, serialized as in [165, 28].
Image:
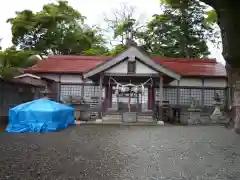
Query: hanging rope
[126, 87]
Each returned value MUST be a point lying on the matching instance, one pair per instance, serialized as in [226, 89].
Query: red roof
[80, 64]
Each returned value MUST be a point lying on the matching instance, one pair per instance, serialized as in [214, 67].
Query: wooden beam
[131, 75]
[161, 89]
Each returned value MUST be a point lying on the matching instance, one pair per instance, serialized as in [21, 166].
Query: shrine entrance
[129, 97]
[129, 102]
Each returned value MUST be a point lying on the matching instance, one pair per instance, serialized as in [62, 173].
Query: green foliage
[211, 17]
[180, 31]
[56, 29]
[12, 60]
[96, 51]
[176, 4]
[118, 49]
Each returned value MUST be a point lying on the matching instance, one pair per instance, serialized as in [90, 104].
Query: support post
[160, 95]
[59, 88]
[82, 88]
[178, 94]
[202, 94]
[110, 96]
[100, 95]
[153, 97]
[150, 98]
[161, 89]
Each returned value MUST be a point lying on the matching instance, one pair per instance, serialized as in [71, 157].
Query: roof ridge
[102, 57]
[190, 60]
[80, 58]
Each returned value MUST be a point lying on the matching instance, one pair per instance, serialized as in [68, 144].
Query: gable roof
[132, 52]
[82, 64]
[194, 67]
[27, 75]
[67, 64]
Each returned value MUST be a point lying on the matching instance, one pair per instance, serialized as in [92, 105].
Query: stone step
[120, 115]
[108, 118]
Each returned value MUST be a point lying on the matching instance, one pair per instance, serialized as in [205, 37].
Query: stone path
[116, 152]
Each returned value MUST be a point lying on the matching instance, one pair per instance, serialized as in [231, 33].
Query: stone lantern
[217, 114]
[193, 113]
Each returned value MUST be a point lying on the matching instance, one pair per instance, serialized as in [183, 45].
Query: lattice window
[170, 94]
[93, 91]
[70, 90]
[197, 95]
[185, 96]
[157, 96]
[89, 91]
[209, 95]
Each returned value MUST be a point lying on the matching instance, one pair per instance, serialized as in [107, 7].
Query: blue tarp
[41, 115]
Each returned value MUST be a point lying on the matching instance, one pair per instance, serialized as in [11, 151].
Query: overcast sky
[94, 10]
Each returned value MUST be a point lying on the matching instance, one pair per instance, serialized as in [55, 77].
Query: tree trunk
[228, 21]
[230, 29]
[235, 74]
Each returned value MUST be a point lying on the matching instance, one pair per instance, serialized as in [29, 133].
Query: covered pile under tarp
[41, 115]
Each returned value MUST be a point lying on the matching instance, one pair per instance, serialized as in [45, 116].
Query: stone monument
[193, 113]
[217, 114]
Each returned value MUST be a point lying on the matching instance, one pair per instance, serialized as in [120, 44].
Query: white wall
[123, 67]
[208, 82]
[215, 82]
[120, 68]
[191, 82]
[52, 76]
[71, 78]
[143, 69]
[64, 78]
[187, 82]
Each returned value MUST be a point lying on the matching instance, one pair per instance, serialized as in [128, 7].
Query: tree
[12, 61]
[57, 29]
[228, 21]
[123, 25]
[0, 46]
[180, 33]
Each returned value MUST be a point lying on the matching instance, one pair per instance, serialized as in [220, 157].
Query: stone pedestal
[217, 114]
[194, 116]
[99, 121]
[129, 117]
[77, 110]
[160, 123]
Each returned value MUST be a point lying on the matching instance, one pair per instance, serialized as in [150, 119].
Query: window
[132, 67]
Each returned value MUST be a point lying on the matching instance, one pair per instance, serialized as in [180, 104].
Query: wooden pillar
[82, 88]
[149, 97]
[178, 94]
[100, 95]
[110, 96]
[161, 89]
[202, 94]
[106, 96]
[153, 97]
[59, 88]
[160, 96]
[106, 102]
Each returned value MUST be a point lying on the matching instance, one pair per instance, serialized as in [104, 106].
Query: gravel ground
[122, 152]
